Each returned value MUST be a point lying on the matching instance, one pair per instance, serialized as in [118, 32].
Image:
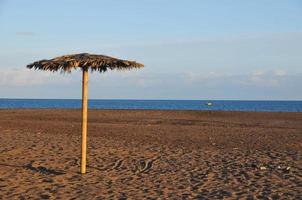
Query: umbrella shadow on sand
[38, 169]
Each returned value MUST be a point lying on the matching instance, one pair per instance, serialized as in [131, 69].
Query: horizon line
[127, 99]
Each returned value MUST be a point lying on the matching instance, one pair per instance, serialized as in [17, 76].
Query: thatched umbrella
[84, 61]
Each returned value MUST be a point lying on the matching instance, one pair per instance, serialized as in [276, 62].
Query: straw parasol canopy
[84, 61]
[93, 62]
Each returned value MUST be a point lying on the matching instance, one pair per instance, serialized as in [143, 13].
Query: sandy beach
[151, 155]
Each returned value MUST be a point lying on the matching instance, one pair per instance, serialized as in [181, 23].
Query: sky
[193, 49]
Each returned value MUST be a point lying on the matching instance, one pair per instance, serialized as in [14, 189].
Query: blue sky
[195, 49]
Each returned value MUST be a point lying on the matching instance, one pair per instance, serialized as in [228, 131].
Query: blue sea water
[261, 106]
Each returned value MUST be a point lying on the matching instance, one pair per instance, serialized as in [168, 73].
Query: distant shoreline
[144, 110]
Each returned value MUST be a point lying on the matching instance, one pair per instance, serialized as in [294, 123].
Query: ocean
[259, 106]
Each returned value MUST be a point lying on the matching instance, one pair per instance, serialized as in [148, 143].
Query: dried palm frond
[93, 62]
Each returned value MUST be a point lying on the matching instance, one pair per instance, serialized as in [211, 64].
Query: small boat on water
[209, 103]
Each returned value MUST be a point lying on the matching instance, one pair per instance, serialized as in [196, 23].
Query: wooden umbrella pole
[84, 119]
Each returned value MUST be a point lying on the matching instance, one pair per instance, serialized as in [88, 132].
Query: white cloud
[262, 78]
[280, 72]
[257, 78]
[263, 81]
[25, 33]
[212, 79]
[145, 85]
[26, 77]
[258, 72]
[129, 78]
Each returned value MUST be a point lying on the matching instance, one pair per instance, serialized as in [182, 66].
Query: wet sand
[151, 155]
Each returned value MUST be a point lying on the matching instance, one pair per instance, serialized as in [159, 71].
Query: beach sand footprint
[118, 164]
[145, 166]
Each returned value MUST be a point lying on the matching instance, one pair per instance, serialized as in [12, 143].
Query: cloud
[262, 81]
[148, 85]
[139, 79]
[26, 77]
[258, 72]
[262, 78]
[259, 84]
[25, 33]
[280, 72]
[257, 78]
